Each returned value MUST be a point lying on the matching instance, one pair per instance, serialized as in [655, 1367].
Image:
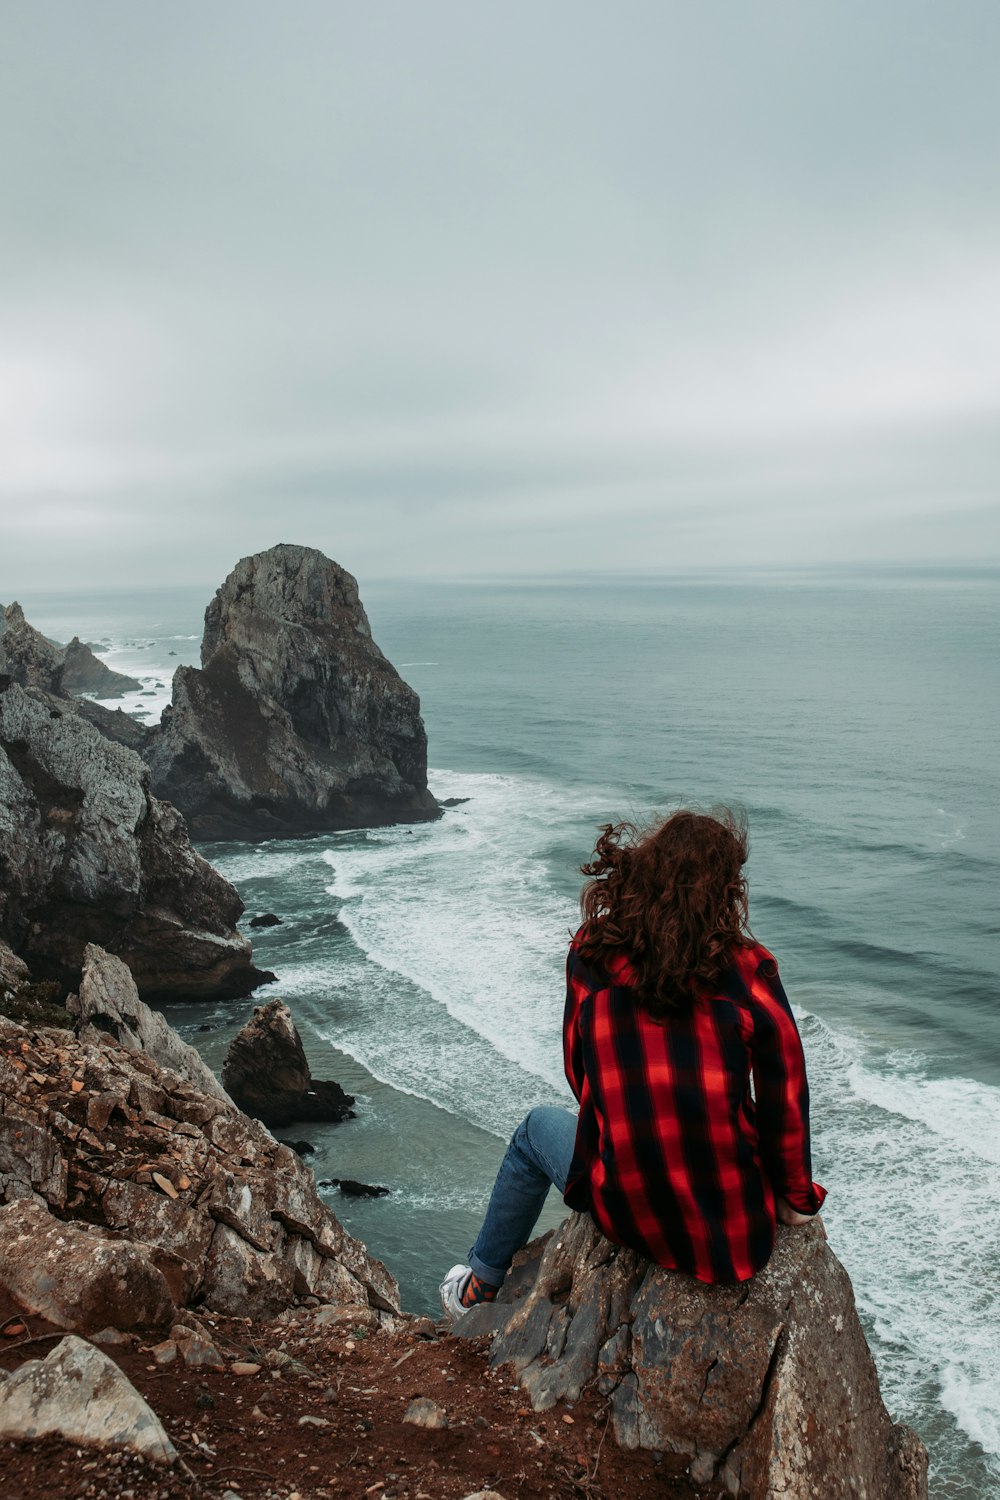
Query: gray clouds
[452, 288]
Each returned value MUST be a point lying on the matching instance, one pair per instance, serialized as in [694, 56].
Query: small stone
[110, 1337]
[422, 1412]
[244, 1367]
[568, 1419]
[165, 1353]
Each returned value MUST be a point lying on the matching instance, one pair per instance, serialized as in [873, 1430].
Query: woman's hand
[788, 1215]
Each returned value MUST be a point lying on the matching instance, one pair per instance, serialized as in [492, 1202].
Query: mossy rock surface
[36, 1005]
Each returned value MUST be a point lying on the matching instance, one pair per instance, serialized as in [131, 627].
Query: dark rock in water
[87, 854]
[267, 920]
[454, 801]
[266, 1072]
[295, 721]
[301, 1148]
[355, 1189]
[33, 661]
[769, 1386]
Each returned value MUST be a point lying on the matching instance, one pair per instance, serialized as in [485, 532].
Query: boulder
[164, 1174]
[295, 721]
[32, 660]
[76, 1278]
[80, 1395]
[87, 854]
[267, 1074]
[769, 1387]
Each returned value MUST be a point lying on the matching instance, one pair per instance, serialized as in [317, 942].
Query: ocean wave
[914, 1213]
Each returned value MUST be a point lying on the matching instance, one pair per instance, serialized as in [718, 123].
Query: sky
[460, 288]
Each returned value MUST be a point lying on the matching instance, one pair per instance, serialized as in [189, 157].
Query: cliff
[295, 721]
[141, 1212]
[88, 854]
[32, 660]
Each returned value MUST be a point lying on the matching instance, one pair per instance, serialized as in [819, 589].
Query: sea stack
[295, 722]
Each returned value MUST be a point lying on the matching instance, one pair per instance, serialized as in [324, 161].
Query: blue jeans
[539, 1155]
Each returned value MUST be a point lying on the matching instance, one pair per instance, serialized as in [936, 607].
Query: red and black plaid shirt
[673, 1157]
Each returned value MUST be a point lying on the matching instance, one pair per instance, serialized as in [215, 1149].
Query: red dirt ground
[242, 1433]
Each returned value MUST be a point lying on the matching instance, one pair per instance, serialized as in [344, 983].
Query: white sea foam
[914, 1213]
[485, 936]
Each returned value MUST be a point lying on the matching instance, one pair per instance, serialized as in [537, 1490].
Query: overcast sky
[449, 288]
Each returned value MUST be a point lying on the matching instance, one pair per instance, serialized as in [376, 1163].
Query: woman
[673, 1011]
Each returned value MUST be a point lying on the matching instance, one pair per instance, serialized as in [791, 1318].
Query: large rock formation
[175, 1197]
[87, 854]
[32, 660]
[295, 721]
[267, 1074]
[79, 1395]
[769, 1386]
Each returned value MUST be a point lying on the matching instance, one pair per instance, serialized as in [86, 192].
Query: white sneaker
[451, 1290]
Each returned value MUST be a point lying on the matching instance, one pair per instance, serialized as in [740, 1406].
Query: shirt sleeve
[782, 1094]
[572, 1042]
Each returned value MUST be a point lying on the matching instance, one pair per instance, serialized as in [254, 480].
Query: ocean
[854, 717]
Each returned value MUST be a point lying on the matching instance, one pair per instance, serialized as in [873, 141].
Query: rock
[25, 654]
[295, 721]
[32, 660]
[114, 724]
[78, 1394]
[768, 1386]
[267, 920]
[243, 1231]
[301, 1148]
[266, 1073]
[13, 973]
[244, 1367]
[75, 1279]
[196, 1349]
[109, 1001]
[87, 854]
[423, 1412]
[355, 1189]
[83, 672]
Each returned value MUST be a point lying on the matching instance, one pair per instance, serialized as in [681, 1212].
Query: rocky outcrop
[87, 854]
[193, 1202]
[32, 660]
[79, 1395]
[295, 721]
[108, 1001]
[83, 672]
[267, 1074]
[769, 1386]
[75, 1277]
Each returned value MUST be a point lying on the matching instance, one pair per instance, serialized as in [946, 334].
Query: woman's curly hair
[672, 900]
